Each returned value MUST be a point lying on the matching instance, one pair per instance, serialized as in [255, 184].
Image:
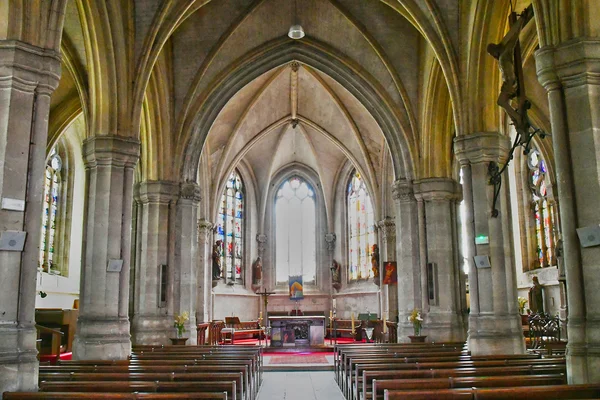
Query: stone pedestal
[440, 269]
[152, 321]
[28, 76]
[494, 321]
[103, 325]
[570, 73]
[204, 286]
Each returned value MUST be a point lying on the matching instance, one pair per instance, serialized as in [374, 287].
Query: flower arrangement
[180, 321]
[417, 321]
[522, 301]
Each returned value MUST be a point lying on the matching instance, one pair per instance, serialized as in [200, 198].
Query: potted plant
[417, 321]
[180, 320]
[524, 317]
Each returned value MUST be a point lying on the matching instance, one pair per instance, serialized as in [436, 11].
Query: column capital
[111, 150]
[162, 192]
[205, 228]
[190, 191]
[437, 189]
[481, 147]
[570, 64]
[387, 227]
[29, 67]
[402, 191]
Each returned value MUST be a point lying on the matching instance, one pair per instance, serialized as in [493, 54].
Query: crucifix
[265, 296]
[508, 54]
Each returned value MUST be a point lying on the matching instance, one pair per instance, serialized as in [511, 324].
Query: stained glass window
[230, 228]
[361, 229]
[50, 213]
[295, 231]
[543, 211]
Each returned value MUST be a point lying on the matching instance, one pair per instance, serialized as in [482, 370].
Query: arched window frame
[232, 267]
[311, 194]
[55, 233]
[363, 271]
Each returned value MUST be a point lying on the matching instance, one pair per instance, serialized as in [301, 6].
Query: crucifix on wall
[512, 98]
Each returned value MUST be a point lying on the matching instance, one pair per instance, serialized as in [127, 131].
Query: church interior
[281, 174]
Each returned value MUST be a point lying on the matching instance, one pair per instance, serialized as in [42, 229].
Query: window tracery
[230, 227]
[51, 213]
[361, 229]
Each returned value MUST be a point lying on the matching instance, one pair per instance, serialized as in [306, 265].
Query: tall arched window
[51, 213]
[361, 229]
[295, 231]
[543, 211]
[230, 228]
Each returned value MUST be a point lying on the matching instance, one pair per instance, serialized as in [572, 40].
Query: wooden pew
[111, 396]
[586, 391]
[379, 386]
[142, 386]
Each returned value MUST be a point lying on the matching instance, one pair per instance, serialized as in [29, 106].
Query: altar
[297, 331]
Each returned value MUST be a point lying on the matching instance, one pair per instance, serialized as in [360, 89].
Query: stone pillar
[570, 73]
[103, 324]
[494, 321]
[185, 283]
[204, 287]
[443, 319]
[407, 250]
[389, 294]
[28, 76]
[152, 321]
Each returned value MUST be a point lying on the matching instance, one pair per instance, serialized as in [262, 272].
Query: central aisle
[299, 385]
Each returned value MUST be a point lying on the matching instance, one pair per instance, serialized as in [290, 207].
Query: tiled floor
[301, 385]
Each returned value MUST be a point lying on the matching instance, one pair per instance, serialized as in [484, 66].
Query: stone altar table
[297, 331]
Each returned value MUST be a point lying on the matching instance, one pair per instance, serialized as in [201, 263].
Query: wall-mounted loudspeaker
[482, 262]
[12, 240]
[589, 236]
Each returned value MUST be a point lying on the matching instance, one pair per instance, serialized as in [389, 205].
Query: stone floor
[299, 385]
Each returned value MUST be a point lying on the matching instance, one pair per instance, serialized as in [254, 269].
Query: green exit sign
[482, 239]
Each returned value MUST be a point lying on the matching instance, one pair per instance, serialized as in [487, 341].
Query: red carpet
[298, 359]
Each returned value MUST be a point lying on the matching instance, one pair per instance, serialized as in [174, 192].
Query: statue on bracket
[216, 260]
[375, 263]
[336, 275]
[257, 271]
[536, 296]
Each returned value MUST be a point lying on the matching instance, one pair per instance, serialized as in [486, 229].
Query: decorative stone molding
[261, 239]
[330, 241]
[387, 227]
[162, 192]
[205, 229]
[402, 191]
[30, 68]
[570, 64]
[481, 147]
[442, 189]
[111, 150]
[190, 191]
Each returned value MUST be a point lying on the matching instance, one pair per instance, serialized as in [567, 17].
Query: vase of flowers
[417, 321]
[524, 317]
[180, 320]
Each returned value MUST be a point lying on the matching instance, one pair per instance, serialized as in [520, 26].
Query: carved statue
[257, 271]
[216, 260]
[536, 297]
[335, 272]
[375, 262]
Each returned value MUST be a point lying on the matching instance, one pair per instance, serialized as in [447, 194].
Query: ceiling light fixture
[296, 31]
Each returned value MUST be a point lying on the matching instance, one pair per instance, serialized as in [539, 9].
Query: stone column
[152, 321]
[494, 321]
[267, 279]
[570, 73]
[389, 294]
[443, 319]
[407, 250]
[28, 76]
[103, 324]
[185, 283]
[204, 287]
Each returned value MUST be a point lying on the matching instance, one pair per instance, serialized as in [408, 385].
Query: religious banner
[390, 276]
[296, 288]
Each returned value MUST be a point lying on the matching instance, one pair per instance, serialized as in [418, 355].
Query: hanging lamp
[296, 31]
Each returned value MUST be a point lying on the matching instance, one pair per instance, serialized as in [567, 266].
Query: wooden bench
[111, 396]
[586, 391]
[379, 386]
